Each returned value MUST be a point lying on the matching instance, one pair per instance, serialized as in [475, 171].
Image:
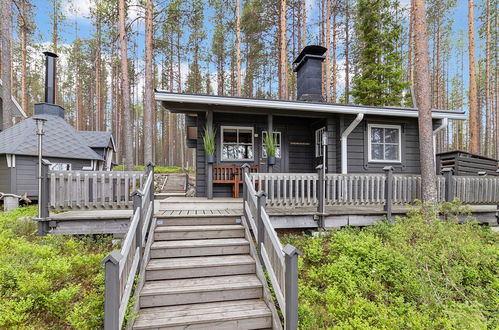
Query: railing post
[261, 201]
[321, 195]
[44, 199]
[245, 189]
[137, 203]
[150, 169]
[449, 184]
[112, 290]
[291, 287]
[388, 191]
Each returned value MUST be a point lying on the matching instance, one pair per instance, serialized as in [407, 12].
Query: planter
[271, 161]
[210, 159]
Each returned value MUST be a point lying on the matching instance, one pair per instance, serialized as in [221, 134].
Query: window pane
[391, 135]
[376, 135]
[391, 152]
[377, 151]
[230, 135]
[278, 152]
[245, 136]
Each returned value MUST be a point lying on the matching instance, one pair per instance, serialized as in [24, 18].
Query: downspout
[344, 137]
[444, 124]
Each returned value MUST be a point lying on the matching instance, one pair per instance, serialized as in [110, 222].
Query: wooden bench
[231, 174]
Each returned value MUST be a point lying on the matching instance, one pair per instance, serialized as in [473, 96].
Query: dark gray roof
[60, 139]
[96, 139]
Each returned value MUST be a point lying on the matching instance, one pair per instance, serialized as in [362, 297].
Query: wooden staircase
[202, 275]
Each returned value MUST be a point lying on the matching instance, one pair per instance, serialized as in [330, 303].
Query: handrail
[280, 263]
[121, 266]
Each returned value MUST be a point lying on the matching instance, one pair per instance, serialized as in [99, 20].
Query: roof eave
[303, 106]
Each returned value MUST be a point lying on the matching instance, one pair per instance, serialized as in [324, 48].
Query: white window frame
[56, 164]
[222, 128]
[319, 141]
[369, 142]
[278, 144]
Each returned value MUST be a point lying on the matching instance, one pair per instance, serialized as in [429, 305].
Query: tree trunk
[283, 55]
[488, 117]
[149, 87]
[304, 22]
[6, 64]
[333, 52]
[24, 53]
[473, 112]
[347, 55]
[410, 75]
[100, 124]
[125, 89]
[238, 49]
[422, 91]
[327, 62]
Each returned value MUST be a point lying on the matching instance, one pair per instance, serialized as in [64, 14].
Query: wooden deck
[282, 217]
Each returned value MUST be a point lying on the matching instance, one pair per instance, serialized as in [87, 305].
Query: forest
[114, 53]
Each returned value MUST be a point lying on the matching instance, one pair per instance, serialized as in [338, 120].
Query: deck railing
[122, 265]
[302, 189]
[280, 263]
[69, 190]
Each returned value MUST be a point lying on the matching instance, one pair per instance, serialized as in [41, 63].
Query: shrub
[209, 141]
[418, 273]
[49, 282]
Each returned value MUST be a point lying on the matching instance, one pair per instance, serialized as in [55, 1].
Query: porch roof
[190, 102]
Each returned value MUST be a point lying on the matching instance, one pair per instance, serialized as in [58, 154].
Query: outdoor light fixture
[39, 131]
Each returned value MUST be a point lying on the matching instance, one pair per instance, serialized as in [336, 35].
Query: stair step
[202, 247]
[238, 314]
[171, 268]
[200, 290]
[167, 233]
[196, 220]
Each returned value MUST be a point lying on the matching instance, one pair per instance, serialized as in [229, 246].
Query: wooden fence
[300, 190]
[70, 190]
[280, 263]
[121, 266]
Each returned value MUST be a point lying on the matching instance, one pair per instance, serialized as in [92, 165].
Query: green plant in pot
[209, 145]
[270, 148]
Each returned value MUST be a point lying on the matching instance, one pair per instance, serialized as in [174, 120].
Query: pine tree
[378, 30]
[196, 37]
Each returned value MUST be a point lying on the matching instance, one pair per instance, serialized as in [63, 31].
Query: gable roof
[199, 103]
[98, 139]
[61, 140]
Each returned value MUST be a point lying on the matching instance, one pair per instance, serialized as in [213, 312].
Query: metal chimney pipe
[50, 69]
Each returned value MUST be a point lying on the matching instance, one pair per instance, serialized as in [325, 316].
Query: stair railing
[121, 266]
[280, 263]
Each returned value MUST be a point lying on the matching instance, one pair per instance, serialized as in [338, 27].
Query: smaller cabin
[64, 147]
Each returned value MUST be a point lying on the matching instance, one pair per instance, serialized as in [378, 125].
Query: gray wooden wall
[23, 177]
[298, 139]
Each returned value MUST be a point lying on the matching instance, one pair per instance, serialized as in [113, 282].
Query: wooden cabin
[63, 146]
[347, 138]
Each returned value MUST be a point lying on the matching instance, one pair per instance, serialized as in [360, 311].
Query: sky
[80, 18]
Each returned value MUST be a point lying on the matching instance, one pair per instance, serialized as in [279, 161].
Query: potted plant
[270, 148]
[209, 145]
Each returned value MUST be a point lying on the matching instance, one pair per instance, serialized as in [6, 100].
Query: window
[319, 141]
[384, 143]
[277, 138]
[237, 143]
[60, 167]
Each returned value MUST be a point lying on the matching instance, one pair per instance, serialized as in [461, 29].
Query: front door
[281, 165]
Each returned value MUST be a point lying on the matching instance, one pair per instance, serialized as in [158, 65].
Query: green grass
[157, 169]
[418, 273]
[50, 282]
